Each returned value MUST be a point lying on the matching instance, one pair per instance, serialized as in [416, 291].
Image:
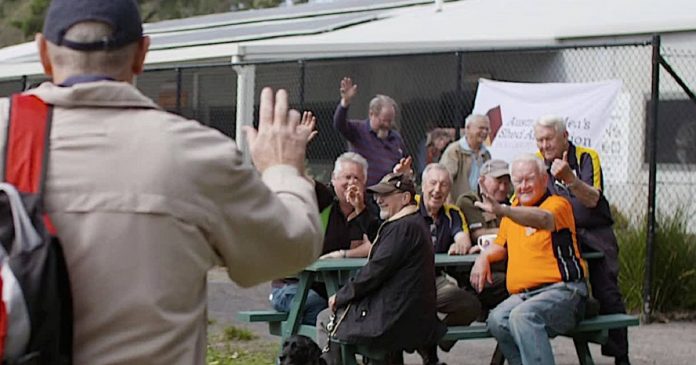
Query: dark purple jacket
[381, 154]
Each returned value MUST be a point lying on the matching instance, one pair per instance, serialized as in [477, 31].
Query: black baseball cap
[122, 15]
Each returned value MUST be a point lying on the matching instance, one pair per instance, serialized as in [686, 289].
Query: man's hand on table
[460, 249]
[338, 254]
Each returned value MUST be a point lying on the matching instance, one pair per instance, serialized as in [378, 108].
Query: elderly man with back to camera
[145, 202]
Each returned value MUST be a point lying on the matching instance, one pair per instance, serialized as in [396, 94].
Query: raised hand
[488, 204]
[348, 91]
[309, 121]
[354, 197]
[280, 139]
[560, 169]
[404, 166]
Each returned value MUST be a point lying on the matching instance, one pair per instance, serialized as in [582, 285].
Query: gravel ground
[672, 343]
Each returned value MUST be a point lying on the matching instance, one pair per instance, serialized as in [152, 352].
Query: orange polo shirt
[537, 257]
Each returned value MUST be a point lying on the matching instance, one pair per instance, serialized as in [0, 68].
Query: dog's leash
[332, 326]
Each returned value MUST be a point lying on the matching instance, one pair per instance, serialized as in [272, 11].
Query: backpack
[36, 292]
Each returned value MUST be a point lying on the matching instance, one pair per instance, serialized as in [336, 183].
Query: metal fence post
[302, 85]
[650, 242]
[460, 96]
[246, 84]
[178, 90]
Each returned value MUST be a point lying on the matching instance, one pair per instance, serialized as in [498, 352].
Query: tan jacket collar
[409, 209]
[104, 94]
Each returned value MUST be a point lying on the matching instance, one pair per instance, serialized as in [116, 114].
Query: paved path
[661, 343]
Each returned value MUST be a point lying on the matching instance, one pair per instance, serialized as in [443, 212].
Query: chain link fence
[676, 133]
[437, 91]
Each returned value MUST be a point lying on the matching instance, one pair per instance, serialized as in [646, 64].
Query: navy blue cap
[122, 15]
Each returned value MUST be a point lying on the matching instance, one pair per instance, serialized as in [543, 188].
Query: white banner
[514, 107]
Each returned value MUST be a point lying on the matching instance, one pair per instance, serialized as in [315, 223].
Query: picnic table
[333, 272]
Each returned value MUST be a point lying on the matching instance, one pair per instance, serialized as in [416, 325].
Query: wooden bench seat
[262, 316]
[276, 322]
[593, 330]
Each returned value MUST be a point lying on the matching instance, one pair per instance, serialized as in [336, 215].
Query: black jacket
[391, 300]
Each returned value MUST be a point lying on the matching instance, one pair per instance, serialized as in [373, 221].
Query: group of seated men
[531, 278]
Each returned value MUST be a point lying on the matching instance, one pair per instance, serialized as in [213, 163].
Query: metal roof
[259, 30]
[279, 13]
[367, 27]
[240, 26]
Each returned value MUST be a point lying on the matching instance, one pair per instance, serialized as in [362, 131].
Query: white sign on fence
[514, 107]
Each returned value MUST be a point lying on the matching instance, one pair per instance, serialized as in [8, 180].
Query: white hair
[551, 121]
[474, 117]
[379, 102]
[529, 158]
[351, 157]
[435, 166]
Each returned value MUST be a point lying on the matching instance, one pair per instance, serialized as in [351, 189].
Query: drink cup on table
[485, 240]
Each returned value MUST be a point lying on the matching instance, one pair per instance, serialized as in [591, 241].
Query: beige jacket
[458, 162]
[145, 203]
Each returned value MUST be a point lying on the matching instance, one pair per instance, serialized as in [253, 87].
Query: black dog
[300, 350]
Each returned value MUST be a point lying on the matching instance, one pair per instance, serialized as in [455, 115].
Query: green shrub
[674, 272]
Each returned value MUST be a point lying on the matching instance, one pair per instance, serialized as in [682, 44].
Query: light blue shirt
[476, 162]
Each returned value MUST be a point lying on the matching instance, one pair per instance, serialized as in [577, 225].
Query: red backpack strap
[27, 145]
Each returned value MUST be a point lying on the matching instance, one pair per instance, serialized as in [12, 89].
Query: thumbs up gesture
[560, 169]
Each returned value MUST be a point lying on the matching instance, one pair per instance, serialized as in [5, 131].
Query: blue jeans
[281, 299]
[523, 323]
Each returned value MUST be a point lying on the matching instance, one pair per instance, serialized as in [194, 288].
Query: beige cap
[495, 168]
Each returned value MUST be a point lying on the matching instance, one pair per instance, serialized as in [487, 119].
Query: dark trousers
[604, 274]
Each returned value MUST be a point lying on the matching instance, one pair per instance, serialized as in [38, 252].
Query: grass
[233, 333]
[238, 346]
[227, 354]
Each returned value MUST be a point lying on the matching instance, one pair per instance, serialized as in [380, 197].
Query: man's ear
[140, 53]
[407, 198]
[42, 46]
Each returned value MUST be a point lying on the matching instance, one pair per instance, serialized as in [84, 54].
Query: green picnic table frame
[333, 272]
